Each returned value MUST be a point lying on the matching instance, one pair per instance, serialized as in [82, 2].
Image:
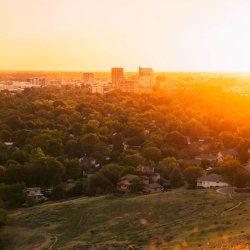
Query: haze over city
[95, 35]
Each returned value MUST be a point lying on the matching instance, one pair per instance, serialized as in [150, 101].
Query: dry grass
[182, 219]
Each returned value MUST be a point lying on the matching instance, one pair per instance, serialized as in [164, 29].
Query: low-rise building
[212, 180]
[35, 193]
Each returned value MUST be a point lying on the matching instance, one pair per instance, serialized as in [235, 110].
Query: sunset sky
[168, 35]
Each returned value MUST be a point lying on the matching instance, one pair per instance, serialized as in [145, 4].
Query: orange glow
[143, 221]
[96, 35]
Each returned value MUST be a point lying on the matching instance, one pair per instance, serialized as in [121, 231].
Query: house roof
[128, 177]
[155, 185]
[212, 178]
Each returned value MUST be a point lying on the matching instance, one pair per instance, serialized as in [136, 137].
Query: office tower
[117, 73]
[146, 77]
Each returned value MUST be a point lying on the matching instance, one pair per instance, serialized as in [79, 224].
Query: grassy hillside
[182, 219]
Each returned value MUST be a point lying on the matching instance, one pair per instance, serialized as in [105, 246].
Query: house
[212, 180]
[124, 185]
[35, 193]
[153, 188]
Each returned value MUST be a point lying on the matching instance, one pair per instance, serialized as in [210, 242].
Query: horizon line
[92, 71]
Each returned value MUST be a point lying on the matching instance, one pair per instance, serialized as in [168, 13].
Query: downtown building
[128, 84]
[146, 79]
[116, 74]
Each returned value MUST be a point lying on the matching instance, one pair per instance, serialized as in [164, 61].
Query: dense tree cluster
[50, 135]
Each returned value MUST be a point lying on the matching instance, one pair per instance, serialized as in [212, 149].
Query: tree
[15, 172]
[137, 184]
[46, 171]
[175, 178]
[77, 189]
[152, 153]
[177, 139]
[15, 122]
[99, 184]
[12, 195]
[233, 172]
[73, 169]
[196, 129]
[112, 172]
[227, 138]
[117, 140]
[242, 150]
[88, 141]
[5, 135]
[133, 160]
[54, 147]
[192, 174]
[19, 155]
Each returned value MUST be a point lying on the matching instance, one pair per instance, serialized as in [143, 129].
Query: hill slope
[182, 219]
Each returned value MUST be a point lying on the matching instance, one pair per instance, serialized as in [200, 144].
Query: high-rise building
[146, 77]
[117, 73]
[128, 84]
[88, 78]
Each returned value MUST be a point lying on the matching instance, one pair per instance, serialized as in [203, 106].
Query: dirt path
[53, 244]
[229, 191]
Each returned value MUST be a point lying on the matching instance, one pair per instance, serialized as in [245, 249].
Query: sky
[95, 35]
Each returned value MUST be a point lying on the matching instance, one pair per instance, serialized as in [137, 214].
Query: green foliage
[54, 126]
[73, 169]
[137, 184]
[12, 195]
[233, 172]
[152, 153]
[133, 160]
[192, 174]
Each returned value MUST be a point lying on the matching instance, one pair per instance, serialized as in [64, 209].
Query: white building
[212, 180]
[36, 194]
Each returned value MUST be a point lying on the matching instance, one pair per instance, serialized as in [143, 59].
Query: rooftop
[212, 177]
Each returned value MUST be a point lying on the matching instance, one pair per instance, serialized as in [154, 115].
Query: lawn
[181, 219]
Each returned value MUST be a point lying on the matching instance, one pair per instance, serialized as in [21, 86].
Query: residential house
[35, 192]
[124, 185]
[212, 180]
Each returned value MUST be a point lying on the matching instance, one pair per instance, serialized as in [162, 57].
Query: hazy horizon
[173, 36]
